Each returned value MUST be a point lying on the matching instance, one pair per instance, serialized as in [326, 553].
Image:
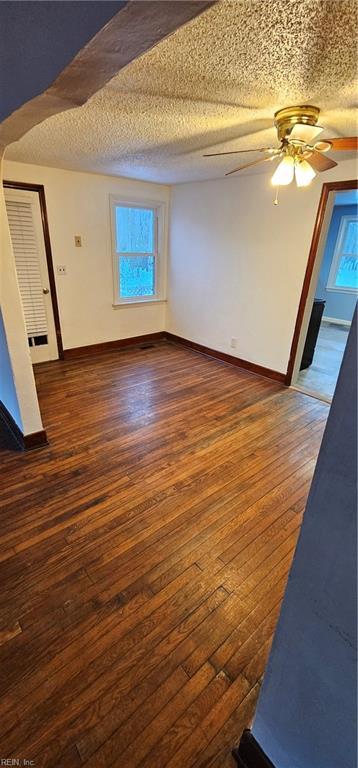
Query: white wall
[237, 262]
[78, 204]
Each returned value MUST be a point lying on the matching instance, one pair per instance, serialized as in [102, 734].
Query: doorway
[26, 210]
[331, 297]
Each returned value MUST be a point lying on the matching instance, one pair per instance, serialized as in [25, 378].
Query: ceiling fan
[300, 155]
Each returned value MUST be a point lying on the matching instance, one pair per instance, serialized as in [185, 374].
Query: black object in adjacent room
[312, 333]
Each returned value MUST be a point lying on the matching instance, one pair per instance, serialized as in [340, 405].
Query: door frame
[332, 186]
[40, 189]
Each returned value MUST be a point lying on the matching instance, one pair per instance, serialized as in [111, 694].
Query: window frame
[160, 213]
[338, 255]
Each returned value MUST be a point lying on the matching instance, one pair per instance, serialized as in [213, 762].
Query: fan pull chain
[275, 202]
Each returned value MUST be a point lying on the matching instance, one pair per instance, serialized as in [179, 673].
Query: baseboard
[35, 440]
[39, 439]
[17, 438]
[269, 373]
[336, 321]
[109, 346]
[249, 753]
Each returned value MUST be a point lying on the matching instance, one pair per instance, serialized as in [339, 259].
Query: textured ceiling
[211, 86]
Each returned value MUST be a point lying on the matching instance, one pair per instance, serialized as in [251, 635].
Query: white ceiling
[211, 86]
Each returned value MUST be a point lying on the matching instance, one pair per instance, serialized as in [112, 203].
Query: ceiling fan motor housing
[286, 118]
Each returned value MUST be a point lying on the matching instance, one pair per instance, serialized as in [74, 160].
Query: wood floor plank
[112, 752]
[134, 725]
[105, 712]
[8, 633]
[143, 557]
[211, 724]
[183, 727]
[204, 752]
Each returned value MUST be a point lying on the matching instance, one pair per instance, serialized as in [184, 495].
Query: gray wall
[39, 39]
[305, 716]
[8, 394]
[339, 304]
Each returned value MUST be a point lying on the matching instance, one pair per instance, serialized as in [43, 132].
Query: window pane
[134, 230]
[137, 276]
[347, 275]
[350, 244]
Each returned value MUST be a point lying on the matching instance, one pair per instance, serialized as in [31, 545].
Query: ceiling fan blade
[248, 165]
[238, 151]
[320, 162]
[343, 143]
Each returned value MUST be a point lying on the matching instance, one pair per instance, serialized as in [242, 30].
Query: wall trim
[109, 346]
[35, 440]
[249, 753]
[269, 373]
[40, 189]
[39, 439]
[18, 439]
[332, 186]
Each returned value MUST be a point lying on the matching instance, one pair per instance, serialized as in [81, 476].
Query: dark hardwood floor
[144, 555]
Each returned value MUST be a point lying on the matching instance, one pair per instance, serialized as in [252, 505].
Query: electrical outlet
[233, 343]
[78, 241]
[61, 269]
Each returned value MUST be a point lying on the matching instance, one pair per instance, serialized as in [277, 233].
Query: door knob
[45, 290]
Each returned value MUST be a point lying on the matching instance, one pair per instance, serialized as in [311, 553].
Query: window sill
[338, 289]
[140, 302]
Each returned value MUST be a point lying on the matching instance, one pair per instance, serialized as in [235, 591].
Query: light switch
[78, 241]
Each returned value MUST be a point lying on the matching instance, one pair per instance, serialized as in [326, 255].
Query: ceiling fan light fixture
[304, 173]
[284, 172]
[304, 132]
[323, 146]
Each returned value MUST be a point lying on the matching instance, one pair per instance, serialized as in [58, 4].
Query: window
[343, 274]
[137, 234]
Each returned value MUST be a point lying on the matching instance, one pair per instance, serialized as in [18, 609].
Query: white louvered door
[24, 216]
